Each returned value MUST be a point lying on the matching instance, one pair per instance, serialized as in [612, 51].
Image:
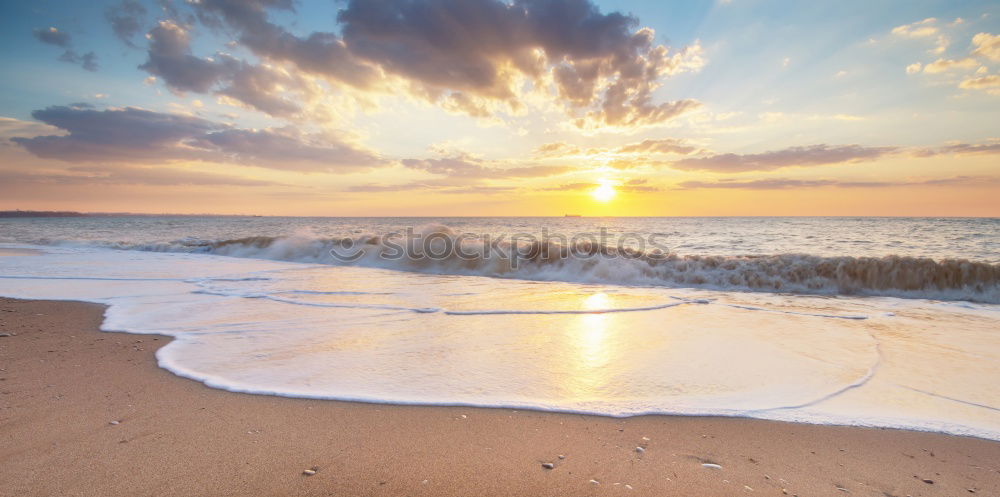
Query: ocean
[889, 322]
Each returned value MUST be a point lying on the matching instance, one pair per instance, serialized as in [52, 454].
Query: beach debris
[560, 456]
[927, 481]
[5, 334]
[640, 449]
[711, 465]
[842, 489]
[748, 487]
[115, 422]
[645, 439]
[595, 482]
[311, 471]
[628, 486]
[548, 465]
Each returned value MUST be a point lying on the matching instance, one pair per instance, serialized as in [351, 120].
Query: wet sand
[84, 412]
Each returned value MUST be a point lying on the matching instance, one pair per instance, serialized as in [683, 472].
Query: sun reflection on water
[591, 339]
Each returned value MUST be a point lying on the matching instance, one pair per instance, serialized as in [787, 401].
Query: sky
[501, 107]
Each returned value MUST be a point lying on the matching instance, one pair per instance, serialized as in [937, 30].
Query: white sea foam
[375, 335]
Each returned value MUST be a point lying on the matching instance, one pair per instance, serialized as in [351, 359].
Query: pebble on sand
[115, 422]
[548, 465]
[640, 450]
[711, 465]
[311, 471]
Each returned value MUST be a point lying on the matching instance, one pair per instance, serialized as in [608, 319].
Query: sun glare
[604, 193]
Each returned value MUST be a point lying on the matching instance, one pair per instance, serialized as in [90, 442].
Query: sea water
[862, 321]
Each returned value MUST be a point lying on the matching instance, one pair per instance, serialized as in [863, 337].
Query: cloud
[465, 167]
[665, 146]
[815, 155]
[142, 136]
[10, 127]
[256, 86]
[463, 53]
[646, 147]
[53, 36]
[942, 65]
[917, 29]
[437, 188]
[150, 176]
[284, 148]
[319, 53]
[170, 58]
[637, 186]
[986, 45]
[786, 184]
[126, 20]
[989, 147]
[556, 149]
[571, 187]
[989, 83]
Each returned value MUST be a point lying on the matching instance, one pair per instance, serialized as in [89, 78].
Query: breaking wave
[589, 262]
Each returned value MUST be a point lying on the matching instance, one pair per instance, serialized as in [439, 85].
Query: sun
[604, 193]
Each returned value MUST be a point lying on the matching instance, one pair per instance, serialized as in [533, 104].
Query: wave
[439, 250]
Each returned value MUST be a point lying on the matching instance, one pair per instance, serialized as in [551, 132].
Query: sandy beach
[84, 412]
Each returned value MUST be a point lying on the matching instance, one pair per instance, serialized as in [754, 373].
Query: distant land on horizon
[20, 213]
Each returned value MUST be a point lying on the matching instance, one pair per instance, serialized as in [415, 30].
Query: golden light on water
[591, 337]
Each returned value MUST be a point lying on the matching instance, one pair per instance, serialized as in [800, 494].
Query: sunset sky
[501, 107]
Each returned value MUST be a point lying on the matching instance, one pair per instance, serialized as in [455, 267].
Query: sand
[84, 412]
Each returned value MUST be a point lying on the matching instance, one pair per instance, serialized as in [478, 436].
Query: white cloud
[917, 29]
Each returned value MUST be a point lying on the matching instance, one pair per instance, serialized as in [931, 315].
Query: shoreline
[85, 412]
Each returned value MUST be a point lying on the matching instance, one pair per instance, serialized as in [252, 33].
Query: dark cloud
[462, 53]
[785, 183]
[142, 136]
[53, 36]
[815, 155]
[477, 47]
[128, 134]
[257, 86]
[88, 61]
[126, 20]
[170, 58]
[318, 53]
